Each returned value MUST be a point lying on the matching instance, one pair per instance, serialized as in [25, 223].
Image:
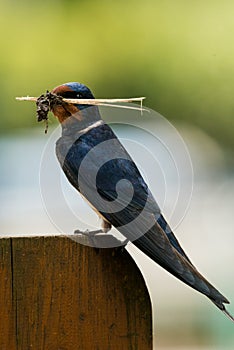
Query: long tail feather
[157, 246]
[223, 309]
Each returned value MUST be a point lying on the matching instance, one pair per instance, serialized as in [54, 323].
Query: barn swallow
[88, 147]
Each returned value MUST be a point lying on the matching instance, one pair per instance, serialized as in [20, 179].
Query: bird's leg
[106, 226]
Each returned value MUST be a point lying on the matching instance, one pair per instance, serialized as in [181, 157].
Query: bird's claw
[88, 232]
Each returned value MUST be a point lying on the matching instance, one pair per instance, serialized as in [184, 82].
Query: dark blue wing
[112, 164]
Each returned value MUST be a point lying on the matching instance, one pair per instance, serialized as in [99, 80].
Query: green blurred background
[177, 53]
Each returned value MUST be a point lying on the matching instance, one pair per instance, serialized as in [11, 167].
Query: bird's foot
[88, 232]
[98, 238]
[89, 237]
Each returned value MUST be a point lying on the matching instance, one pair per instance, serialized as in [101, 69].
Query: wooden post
[57, 294]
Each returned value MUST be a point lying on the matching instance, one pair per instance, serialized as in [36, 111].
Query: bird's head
[73, 91]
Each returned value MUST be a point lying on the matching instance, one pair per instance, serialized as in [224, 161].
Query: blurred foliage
[179, 54]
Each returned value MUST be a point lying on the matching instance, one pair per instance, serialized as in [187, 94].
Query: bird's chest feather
[86, 154]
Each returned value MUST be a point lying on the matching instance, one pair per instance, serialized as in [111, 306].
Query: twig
[87, 101]
[98, 101]
[26, 98]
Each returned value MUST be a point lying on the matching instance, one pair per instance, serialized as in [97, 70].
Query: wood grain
[7, 311]
[69, 296]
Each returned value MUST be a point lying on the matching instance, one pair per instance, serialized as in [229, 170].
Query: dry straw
[112, 102]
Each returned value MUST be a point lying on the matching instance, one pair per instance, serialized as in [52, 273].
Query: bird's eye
[79, 95]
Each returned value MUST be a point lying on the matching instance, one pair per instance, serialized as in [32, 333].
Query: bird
[99, 167]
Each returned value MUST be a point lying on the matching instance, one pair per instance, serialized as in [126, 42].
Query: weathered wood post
[57, 294]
